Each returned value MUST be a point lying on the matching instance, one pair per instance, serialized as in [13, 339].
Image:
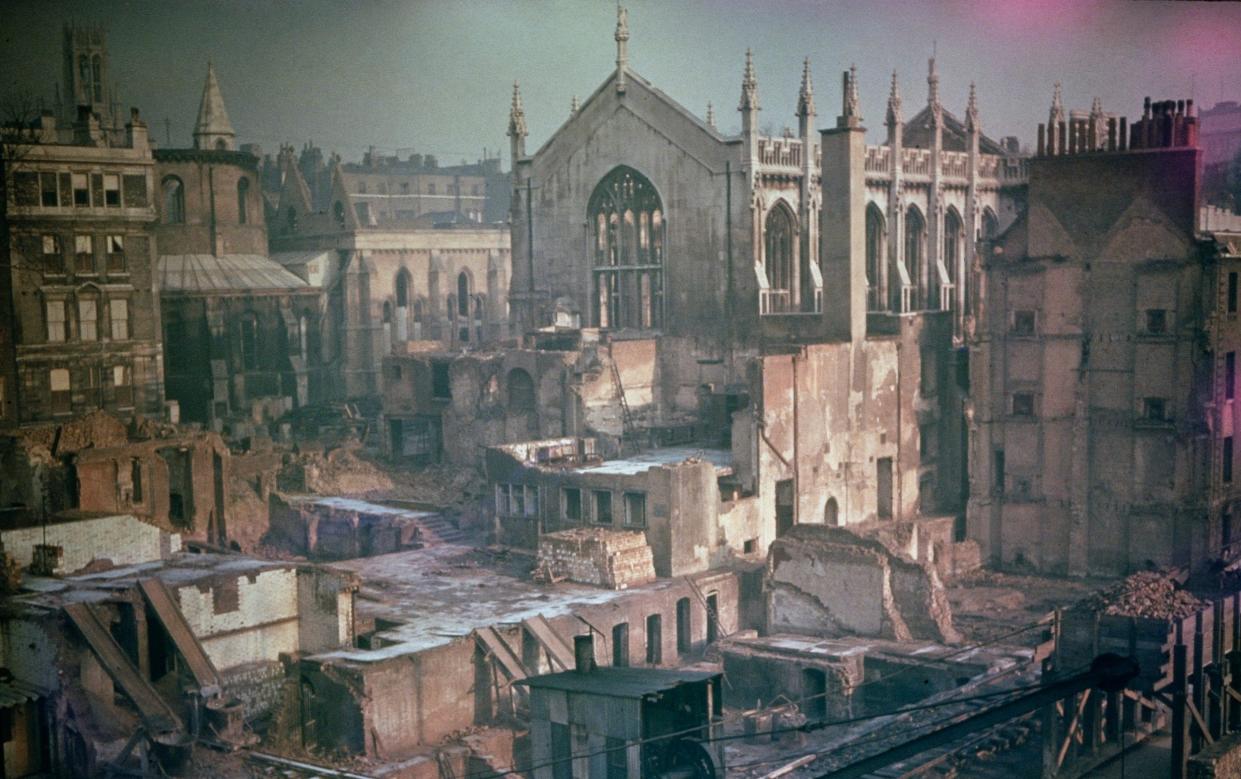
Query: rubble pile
[1147, 594]
[338, 472]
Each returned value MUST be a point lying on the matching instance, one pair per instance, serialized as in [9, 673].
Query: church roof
[212, 116]
[917, 133]
[201, 273]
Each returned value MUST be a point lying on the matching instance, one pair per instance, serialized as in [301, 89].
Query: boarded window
[135, 191]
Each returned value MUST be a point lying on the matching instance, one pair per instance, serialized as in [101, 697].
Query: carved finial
[517, 115]
[971, 110]
[894, 102]
[574, 106]
[805, 98]
[932, 85]
[622, 46]
[710, 115]
[850, 114]
[749, 85]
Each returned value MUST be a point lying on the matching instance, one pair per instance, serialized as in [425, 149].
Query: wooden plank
[558, 650]
[169, 614]
[498, 648]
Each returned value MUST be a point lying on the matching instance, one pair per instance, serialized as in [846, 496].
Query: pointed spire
[574, 106]
[971, 111]
[749, 85]
[213, 130]
[1056, 115]
[517, 115]
[710, 115]
[852, 106]
[1096, 108]
[932, 85]
[622, 46]
[894, 103]
[805, 98]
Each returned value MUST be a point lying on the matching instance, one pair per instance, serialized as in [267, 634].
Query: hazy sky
[436, 75]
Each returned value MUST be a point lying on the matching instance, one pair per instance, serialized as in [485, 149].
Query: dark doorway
[684, 639]
[883, 480]
[814, 694]
[620, 645]
[654, 640]
[784, 506]
[713, 617]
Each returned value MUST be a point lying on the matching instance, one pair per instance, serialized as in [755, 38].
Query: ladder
[712, 615]
[629, 429]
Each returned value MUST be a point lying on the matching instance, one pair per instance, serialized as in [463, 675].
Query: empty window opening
[684, 637]
[1156, 321]
[1023, 322]
[635, 509]
[135, 480]
[572, 504]
[520, 388]
[654, 640]
[1154, 409]
[1023, 404]
[831, 513]
[603, 506]
[814, 694]
[1230, 375]
[441, 387]
[620, 644]
[713, 617]
[997, 471]
[784, 506]
[883, 482]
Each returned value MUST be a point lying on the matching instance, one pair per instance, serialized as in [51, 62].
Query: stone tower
[86, 73]
[213, 130]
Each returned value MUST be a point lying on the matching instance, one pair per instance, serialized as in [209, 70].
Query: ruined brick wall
[259, 687]
[121, 539]
[828, 581]
[615, 559]
[246, 618]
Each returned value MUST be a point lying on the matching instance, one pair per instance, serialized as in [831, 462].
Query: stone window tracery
[626, 216]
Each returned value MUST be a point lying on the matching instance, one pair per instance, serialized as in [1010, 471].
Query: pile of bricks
[616, 559]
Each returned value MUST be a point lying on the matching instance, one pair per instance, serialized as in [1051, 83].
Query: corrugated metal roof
[619, 682]
[14, 693]
[299, 258]
[229, 272]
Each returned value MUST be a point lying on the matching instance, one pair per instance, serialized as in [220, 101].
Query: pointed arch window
[876, 249]
[463, 294]
[915, 241]
[626, 216]
[954, 240]
[780, 260]
[174, 200]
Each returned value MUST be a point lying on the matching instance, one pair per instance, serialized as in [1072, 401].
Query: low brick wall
[615, 559]
[257, 685]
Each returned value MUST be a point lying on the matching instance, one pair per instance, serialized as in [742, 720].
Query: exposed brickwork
[615, 559]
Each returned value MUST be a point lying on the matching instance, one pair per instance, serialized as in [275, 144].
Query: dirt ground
[986, 604]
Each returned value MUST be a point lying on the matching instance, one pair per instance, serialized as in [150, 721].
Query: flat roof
[619, 682]
[358, 506]
[721, 459]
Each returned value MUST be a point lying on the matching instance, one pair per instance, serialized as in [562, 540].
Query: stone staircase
[437, 529]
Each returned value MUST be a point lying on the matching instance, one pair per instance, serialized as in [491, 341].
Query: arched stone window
[174, 200]
[780, 258]
[463, 294]
[249, 339]
[990, 225]
[954, 242]
[626, 216]
[420, 314]
[243, 198]
[876, 245]
[915, 242]
[401, 331]
[520, 390]
[831, 513]
[96, 72]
